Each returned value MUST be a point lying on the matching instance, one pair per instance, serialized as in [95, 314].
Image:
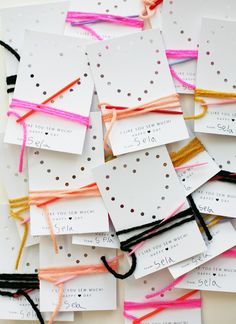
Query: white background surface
[218, 308]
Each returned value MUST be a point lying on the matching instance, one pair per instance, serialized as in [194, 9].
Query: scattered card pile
[107, 177]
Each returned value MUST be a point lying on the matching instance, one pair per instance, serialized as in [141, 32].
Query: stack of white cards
[119, 55]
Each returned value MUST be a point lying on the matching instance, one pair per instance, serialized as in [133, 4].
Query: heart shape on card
[51, 164]
[149, 188]
[116, 85]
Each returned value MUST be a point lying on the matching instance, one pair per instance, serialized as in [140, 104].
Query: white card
[129, 83]
[85, 293]
[106, 240]
[217, 197]
[216, 72]
[43, 17]
[168, 249]
[15, 183]
[62, 171]
[135, 291]
[218, 274]
[182, 32]
[9, 245]
[18, 308]
[195, 177]
[104, 30]
[130, 205]
[38, 79]
[224, 238]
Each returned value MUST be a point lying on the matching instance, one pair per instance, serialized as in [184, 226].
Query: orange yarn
[59, 275]
[161, 104]
[42, 198]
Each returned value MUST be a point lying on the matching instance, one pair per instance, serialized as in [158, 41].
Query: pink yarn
[129, 316]
[230, 253]
[220, 102]
[180, 80]
[139, 245]
[73, 16]
[24, 126]
[189, 166]
[191, 303]
[91, 31]
[26, 220]
[178, 54]
[21, 104]
[170, 286]
[63, 280]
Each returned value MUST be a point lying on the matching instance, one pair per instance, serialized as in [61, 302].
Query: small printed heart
[217, 199]
[79, 295]
[70, 218]
[214, 274]
[233, 120]
[167, 249]
[149, 131]
[183, 180]
[46, 133]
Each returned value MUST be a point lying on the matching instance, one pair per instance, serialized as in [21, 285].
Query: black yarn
[6, 293]
[10, 49]
[129, 272]
[125, 246]
[199, 217]
[151, 235]
[21, 282]
[180, 215]
[225, 176]
[33, 305]
[19, 276]
[10, 80]
[11, 90]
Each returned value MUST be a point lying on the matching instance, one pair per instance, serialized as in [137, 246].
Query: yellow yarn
[18, 206]
[208, 93]
[213, 222]
[187, 152]
[214, 94]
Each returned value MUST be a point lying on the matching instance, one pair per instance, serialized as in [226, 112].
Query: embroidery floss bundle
[186, 153]
[147, 231]
[83, 19]
[44, 197]
[180, 301]
[164, 105]
[43, 108]
[227, 98]
[182, 56]
[60, 275]
[24, 283]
